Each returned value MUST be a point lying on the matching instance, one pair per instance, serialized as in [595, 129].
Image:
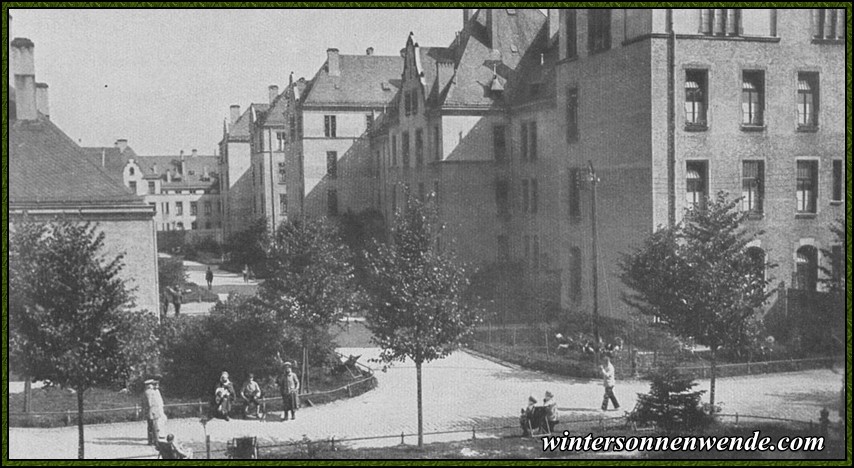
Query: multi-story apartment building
[183, 189]
[672, 106]
[235, 165]
[50, 176]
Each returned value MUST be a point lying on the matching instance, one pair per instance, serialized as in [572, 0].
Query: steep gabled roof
[111, 158]
[239, 131]
[275, 115]
[48, 167]
[364, 81]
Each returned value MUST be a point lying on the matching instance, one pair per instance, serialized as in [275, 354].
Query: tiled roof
[239, 131]
[111, 158]
[195, 167]
[477, 60]
[275, 115]
[364, 80]
[48, 167]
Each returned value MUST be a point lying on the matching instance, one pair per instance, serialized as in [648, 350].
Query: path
[459, 391]
[224, 282]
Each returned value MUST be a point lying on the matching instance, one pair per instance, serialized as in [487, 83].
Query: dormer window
[131, 171]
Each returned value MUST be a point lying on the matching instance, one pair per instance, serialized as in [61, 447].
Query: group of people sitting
[225, 395]
[539, 419]
[587, 346]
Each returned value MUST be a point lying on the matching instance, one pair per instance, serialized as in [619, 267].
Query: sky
[164, 78]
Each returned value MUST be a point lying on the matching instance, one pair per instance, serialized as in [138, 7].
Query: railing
[599, 422]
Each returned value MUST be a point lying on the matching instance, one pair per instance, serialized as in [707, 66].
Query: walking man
[209, 278]
[609, 380]
[289, 387]
[177, 298]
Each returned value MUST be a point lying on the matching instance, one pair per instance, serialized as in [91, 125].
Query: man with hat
[152, 404]
[289, 387]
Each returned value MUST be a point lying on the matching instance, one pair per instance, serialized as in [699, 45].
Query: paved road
[459, 391]
[224, 282]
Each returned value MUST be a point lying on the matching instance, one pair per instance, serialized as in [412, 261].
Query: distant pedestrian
[289, 388]
[209, 278]
[177, 298]
[245, 273]
[165, 299]
[152, 403]
[609, 381]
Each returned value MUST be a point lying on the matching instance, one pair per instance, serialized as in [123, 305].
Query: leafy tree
[418, 311]
[69, 322]
[670, 403]
[698, 279]
[249, 247]
[311, 282]
[171, 274]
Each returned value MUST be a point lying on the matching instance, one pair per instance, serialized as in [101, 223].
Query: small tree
[68, 318]
[311, 283]
[698, 279]
[249, 247]
[418, 311]
[670, 403]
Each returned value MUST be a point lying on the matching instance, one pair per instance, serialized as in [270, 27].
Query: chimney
[235, 113]
[333, 65]
[467, 13]
[122, 145]
[24, 69]
[291, 80]
[369, 51]
[554, 24]
[195, 152]
[273, 91]
[42, 103]
[181, 167]
[491, 28]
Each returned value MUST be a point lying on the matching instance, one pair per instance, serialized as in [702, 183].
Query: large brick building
[673, 106]
[50, 176]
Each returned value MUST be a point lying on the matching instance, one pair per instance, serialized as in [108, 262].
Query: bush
[670, 403]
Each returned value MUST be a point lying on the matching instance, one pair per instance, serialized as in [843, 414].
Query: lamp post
[593, 180]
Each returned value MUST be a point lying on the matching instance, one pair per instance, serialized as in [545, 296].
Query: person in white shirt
[251, 393]
[609, 380]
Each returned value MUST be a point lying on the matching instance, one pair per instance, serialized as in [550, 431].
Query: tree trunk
[713, 373]
[420, 407]
[80, 439]
[28, 394]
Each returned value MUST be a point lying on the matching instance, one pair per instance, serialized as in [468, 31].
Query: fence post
[736, 418]
[601, 423]
[67, 417]
[824, 421]
[473, 435]
[136, 412]
[201, 409]
[349, 392]
[208, 446]
[333, 441]
[401, 438]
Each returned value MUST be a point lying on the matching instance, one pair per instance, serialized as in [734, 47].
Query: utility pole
[594, 259]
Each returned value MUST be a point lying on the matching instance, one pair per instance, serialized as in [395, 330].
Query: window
[179, 208]
[598, 29]
[419, 147]
[329, 126]
[696, 93]
[283, 173]
[503, 249]
[208, 208]
[575, 194]
[369, 122]
[283, 203]
[179, 225]
[280, 140]
[132, 171]
[837, 264]
[571, 33]
[437, 147]
[132, 185]
[394, 150]
[572, 115]
[697, 184]
[414, 101]
[499, 142]
[575, 274]
[806, 271]
[404, 150]
[529, 141]
[332, 164]
[808, 99]
[219, 206]
[502, 198]
[152, 187]
[194, 225]
[165, 208]
[752, 97]
[194, 208]
[836, 190]
[407, 103]
[720, 21]
[807, 185]
[332, 202]
[828, 24]
[753, 186]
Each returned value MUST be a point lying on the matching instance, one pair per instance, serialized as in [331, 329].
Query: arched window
[806, 264]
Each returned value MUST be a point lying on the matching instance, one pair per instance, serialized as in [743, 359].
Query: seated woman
[526, 418]
[550, 414]
[223, 397]
[171, 450]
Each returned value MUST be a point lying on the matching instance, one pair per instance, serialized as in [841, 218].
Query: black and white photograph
[427, 234]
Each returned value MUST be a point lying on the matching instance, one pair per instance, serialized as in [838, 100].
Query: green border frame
[91, 5]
